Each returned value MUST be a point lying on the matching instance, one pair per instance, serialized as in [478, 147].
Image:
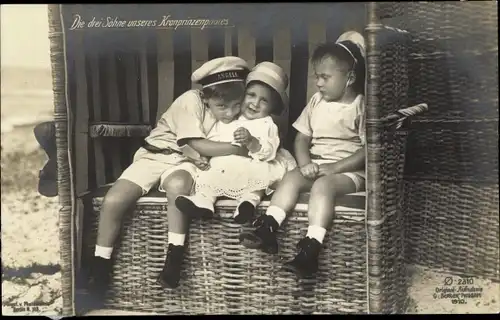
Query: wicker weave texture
[387, 92]
[452, 205]
[458, 232]
[474, 146]
[453, 67]
[451, 188]
[222, 277]
[471, 19]
[386, 235]
[458, 85]
[57, 49]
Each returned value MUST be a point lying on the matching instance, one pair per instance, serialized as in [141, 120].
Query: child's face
[257, 101]
[331, 78]
[224, 111]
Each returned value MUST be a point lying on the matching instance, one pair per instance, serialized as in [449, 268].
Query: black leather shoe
[188, 206]
[246, 211]
[263, 237]
[100, 277]
[305, 263]
[171, 273]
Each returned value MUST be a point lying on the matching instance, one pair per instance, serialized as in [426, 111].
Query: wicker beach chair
[111, 85]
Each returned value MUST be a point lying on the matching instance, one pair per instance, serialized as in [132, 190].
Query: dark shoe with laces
[305, 263]
[264, 235]
[171, 273]
[196, 207]
[100, 277]
[246, 211]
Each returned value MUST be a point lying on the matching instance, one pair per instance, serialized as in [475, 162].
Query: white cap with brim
[221, 70]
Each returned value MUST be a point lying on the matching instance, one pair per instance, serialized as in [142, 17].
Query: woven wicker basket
[362, 269]
[221, 277]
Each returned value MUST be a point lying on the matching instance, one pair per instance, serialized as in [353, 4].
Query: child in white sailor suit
[161, 164]
[246, 179]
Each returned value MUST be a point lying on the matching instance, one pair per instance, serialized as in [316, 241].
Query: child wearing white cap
[246, 178]
[329, 149]
[161, 162]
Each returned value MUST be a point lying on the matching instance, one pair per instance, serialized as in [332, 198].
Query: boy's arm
[304, 135]
[187, 118]
[301, 146]
[210, 148]
[355, 162]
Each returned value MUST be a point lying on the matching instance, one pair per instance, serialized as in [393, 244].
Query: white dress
[234, 176]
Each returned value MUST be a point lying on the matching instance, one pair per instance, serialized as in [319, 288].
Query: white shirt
[336, 129]
[187, 117]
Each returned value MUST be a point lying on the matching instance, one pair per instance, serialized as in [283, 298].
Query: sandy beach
[30, 240]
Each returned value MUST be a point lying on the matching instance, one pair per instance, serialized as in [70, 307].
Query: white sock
[103, 252]
[316, 232]
[277, 213]
[176, 239]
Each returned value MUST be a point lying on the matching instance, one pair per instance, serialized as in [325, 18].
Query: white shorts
[357, 178]
[147, 172]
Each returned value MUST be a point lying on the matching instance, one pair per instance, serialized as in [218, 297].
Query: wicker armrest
[118, 130]
[397, 118]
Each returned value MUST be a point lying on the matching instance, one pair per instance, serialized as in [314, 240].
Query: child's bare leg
[118, 201]
[247, 204]
[135, 181]
[177, 183]
[324, 193]
[120, 198]
[287, 193]
[282, 202]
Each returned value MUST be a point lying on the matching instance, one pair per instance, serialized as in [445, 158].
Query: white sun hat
[274, 76]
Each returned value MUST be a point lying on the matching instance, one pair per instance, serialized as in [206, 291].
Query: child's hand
[202, 163]
[242, 136]
[310, 170]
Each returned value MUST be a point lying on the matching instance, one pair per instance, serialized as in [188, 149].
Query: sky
[25, 36]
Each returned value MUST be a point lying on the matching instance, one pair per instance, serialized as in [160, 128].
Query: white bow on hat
[356, 38]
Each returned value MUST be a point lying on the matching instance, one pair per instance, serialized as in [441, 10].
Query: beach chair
[112, 84]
